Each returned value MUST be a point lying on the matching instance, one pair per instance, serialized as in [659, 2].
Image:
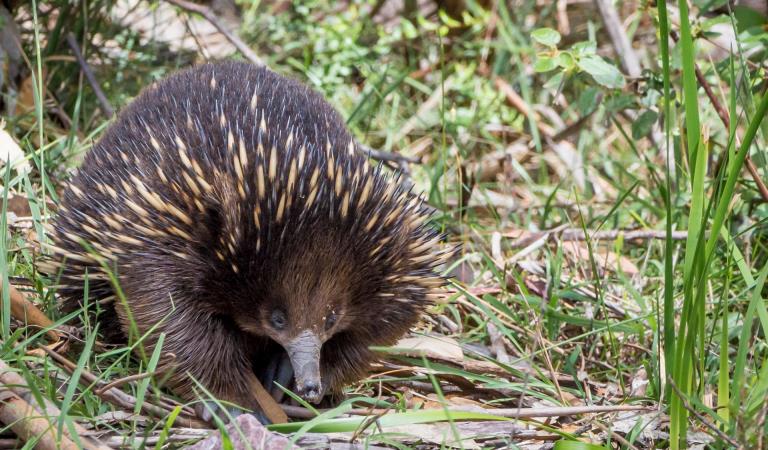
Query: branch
[106, 108]
[723, 114]
[206, 12]
[512, 413]
[120, 398]
[26, 312]
[525, 238]
[29, 424]
[386, 156]
[11, 380]
[701, 418]
[621, 44]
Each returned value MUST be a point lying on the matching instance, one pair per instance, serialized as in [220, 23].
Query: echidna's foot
[279, 371]
[208, 411]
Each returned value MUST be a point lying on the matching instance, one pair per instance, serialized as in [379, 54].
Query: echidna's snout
[304, 352]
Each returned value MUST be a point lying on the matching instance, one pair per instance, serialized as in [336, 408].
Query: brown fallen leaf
[432, 401]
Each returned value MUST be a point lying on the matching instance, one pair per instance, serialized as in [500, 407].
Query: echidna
[238, 217]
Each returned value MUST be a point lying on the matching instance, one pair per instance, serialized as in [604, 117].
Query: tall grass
[710, 208]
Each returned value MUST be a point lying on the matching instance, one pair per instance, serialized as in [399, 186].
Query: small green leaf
[545, 63]
[566, 60]
[708, 24]
[546, 36]
[555, 83]
[620, 102]
[588, 100]
[448, 20]
[409, 30]
[584, 48]
[324, 423]
[604, 73]
[643, 124]
[577, 445]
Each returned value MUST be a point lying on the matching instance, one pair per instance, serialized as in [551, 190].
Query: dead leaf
[443, 348]
[11, 153]
[639, 384]
[432, 401]
[607, 259]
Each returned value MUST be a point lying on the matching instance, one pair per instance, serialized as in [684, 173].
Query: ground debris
[246, 432]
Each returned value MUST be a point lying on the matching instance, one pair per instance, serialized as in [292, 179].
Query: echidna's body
[233, 208]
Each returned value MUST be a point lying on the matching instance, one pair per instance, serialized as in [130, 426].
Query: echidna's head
[310, 301]
[330, 289]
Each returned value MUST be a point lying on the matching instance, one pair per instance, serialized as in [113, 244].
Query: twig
[511, 413]
[701, 418]
[29, 424]
[615, 436]
[629, 61]
[577, 234]
[9, 443]
[497, 343]
[25, 311]
[206, 12]
[120, 398]
[121, 381]
[386, 156]
[526, 238]
[106, 108]
[11, 380]
[519, 104]
[724, 117]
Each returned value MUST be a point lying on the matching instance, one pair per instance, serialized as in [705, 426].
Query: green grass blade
[734, 170]
[345, 425]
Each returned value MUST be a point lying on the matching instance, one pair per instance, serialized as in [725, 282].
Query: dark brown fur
[177, 199]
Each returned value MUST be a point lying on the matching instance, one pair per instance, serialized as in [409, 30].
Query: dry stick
[206, 12]
[18, 386]
[9, 443]
[577, 234]
[510, 413]
[519, 104]
[106, 108]
[701, 418]
[725, 118]
[25, 311]
[629, 61]
[30, 425]
[120, 398]
[125, 380]
[386, 156]
[498, 343]
[548, 361]
[615, 436]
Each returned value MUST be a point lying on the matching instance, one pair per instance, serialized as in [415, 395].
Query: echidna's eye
[330, 321]
[278, 320]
